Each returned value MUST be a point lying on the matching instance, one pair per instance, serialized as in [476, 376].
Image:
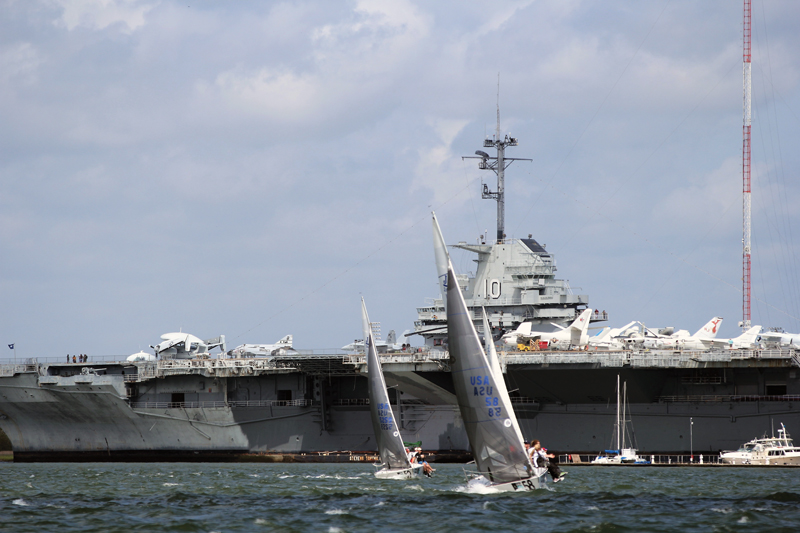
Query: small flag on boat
[10, 346]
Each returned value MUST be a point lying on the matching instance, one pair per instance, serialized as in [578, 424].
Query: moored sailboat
[394, 460]
[483, 401]
[620, 454]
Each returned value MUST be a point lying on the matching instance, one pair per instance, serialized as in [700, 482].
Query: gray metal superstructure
[514, 279]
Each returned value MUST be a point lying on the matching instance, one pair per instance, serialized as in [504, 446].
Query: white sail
[390, 443]
[487, 414]
[494, 363]
[442, 259]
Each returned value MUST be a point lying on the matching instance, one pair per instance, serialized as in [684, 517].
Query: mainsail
[482, 396]
[390, 443]
[494, 363]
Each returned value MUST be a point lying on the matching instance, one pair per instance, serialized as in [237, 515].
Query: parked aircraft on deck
[389, 345]
[782, 338]
[281, 347]
[701, 340]
[186, 346]
[577, 334]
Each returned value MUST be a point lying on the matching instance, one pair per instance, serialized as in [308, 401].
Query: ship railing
[718, 398]
[657, 459]
[321, 352]
[606, 359]
[762, 354]
[351, 401]
[221, 404]
[701, 380]
[184, 364]
[528, 267]
[93, 359]
[524, 400]
[422, 356]
[8, 370]
[670, 361]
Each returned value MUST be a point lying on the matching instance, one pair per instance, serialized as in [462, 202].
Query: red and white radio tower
[746, 171]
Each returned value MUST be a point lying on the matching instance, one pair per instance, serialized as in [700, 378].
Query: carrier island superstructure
[514, 280]
[196, 404]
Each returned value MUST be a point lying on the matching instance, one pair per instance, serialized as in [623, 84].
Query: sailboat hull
[522, 485]
[405, 473]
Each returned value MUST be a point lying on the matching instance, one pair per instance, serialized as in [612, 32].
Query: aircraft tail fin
[216, 341]
[709, 331]
[582, 322]
[602, 334]
[286, 342]
[524, 329]
[580, 328]
[750, 336]
[391, 338]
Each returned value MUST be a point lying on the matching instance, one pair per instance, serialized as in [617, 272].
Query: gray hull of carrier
[224, 409]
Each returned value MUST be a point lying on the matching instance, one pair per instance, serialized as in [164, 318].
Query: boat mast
[618, 427]
[497, 164]
[624, 413]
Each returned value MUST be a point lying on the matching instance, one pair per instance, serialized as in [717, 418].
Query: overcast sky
[253, 168]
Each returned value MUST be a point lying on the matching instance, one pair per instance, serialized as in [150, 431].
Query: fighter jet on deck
[577, 334]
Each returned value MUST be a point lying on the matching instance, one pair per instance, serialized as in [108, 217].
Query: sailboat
[620, 454]
[394, 463]
[492, 427]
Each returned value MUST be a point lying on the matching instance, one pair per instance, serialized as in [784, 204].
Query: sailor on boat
[540, 457]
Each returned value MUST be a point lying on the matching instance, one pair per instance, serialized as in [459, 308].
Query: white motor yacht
[778, 450]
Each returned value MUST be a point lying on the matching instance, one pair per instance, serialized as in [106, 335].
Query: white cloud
[100, 14]
[350, 66]
[18, 62]
[700, 203]
[438, 167]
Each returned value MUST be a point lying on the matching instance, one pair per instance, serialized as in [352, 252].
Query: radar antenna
[497, 164]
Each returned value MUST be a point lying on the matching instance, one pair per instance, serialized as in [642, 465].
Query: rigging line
[769, 227]
[668, 252]
[757, 257]
[774, 222]
[779, 169]
[780, 96]
[697, 246]
[597, 112]
[652, 153]
[781, 226]
[471, 201]
[424, 218]
[768, 181]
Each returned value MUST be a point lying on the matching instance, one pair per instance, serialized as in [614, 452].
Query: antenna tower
[746, 167]
[498, 164]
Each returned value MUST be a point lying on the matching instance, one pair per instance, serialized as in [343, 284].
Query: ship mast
[497, 164]
[746, 168]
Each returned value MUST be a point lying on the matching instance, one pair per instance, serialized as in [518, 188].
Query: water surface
[342, 498]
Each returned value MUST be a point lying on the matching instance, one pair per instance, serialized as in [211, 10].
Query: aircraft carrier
[217, 409]
[195, 404]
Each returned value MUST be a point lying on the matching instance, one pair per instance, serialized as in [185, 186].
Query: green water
[334, 498]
